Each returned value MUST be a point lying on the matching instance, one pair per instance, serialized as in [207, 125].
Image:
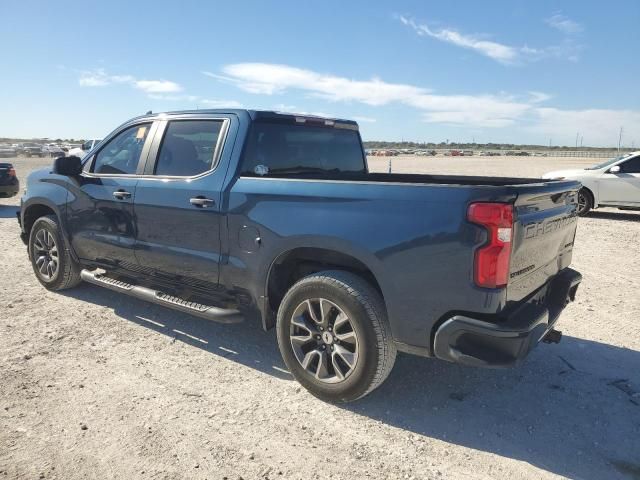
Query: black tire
[365, 312]
[44, 232]
[585, 201]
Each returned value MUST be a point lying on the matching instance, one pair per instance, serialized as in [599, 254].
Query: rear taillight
[11, 172]
[491, 263]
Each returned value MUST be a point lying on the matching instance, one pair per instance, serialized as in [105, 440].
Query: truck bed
[413, 178]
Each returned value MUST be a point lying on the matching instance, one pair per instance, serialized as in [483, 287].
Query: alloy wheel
[583, 202]
[324, 340]
[45, 254]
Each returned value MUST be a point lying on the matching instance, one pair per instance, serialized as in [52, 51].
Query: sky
[492, 71]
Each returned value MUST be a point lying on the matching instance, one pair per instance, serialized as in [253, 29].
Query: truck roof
[257, 115]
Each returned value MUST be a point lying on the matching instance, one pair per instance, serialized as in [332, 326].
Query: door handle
[202, 202]
[121, 194]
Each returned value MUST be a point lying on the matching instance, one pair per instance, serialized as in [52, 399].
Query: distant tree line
[374, 144]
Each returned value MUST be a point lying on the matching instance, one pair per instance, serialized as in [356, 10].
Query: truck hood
[571, 174]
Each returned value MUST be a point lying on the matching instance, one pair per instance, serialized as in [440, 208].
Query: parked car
[9, 184]
[7, 151]
[55, 151]
[614, 183]
[33, 150]
[85, 148]
[275, 217]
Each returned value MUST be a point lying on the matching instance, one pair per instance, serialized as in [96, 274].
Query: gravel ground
[97, 385]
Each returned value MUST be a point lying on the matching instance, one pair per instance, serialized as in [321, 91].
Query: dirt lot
[97, 385]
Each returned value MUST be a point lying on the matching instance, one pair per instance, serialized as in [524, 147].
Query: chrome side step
[209, 312]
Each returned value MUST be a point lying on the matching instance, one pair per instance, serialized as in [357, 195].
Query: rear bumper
[471, 341]
[9, 190]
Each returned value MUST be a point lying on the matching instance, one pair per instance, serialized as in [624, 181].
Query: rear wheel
[52, 263]
[334, 336]
[585, 201]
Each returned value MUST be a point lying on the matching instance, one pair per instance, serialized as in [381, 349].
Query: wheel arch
[33, 212]
[39, 207]
[590, 192]
[296, 263]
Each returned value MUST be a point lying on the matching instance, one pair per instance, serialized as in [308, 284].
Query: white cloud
[526, 111]
[502, 53]
[174, 98]
[596, 126]
[220, 103]
[283, 107]
[538, 97]
[497, 51]
[157, 86]
[361, 119]
[100, 78]
[564, 24]
[271, 79]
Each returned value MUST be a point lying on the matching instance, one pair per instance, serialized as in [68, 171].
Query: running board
[216, 314]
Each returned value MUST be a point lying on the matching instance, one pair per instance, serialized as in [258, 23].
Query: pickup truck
[235, 215]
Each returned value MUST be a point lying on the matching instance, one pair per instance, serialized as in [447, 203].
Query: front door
[177, 202]
[623, 187]
[100, 216]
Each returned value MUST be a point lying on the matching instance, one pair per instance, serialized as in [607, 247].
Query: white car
[85, 148]
[614, 183]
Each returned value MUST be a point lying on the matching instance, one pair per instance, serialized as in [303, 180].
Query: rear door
[178, 200]
[544, 230]
[100, 207]
[622, 188]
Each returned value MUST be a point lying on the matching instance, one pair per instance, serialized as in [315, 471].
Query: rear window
[274, 148]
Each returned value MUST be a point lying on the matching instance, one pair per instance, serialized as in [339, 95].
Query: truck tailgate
[544, 229]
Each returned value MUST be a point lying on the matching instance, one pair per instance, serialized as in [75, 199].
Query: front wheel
[52, 263]
[334, 336]
[585, 201]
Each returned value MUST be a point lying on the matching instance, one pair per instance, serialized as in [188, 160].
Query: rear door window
[188, 148]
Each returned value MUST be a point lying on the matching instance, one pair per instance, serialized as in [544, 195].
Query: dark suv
[9, 184]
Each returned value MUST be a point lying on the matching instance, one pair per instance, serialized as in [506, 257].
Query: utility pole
[577, 134]
[620, 139]
[581, 140]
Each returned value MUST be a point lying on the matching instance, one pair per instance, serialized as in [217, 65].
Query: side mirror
[615, 169]
[68, 166]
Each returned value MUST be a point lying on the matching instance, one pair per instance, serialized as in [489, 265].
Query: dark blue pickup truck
[234, 215]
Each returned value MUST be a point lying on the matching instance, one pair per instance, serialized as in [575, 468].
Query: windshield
[292, 148]
[607, 163]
